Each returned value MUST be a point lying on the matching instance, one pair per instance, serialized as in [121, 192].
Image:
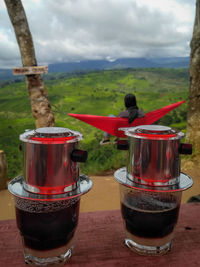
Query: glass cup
[47, 229]
[149, 219]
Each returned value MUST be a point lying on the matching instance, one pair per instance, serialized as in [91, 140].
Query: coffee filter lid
[185, 182]
[153, 132]
[16, 188]
[51, 135]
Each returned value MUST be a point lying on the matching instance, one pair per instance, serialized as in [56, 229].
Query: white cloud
[72, 30]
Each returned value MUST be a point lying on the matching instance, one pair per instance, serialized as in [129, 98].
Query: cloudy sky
[74, 30]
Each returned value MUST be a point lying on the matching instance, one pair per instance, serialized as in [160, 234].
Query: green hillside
[98, 93]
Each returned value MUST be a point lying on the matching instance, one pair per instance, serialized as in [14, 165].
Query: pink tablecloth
[99, 242]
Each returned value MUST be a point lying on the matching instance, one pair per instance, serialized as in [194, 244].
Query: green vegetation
[97, 93]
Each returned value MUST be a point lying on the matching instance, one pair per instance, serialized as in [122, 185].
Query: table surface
[99, 242]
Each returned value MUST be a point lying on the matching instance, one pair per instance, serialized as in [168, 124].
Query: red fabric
[99, 241]
[111, 125]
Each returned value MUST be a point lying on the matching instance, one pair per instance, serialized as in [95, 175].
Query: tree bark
[3, 171]
[193, 115]
[40, 104]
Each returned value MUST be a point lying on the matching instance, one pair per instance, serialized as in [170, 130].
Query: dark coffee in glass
[149, 224]
[149, 219]
[47, 228]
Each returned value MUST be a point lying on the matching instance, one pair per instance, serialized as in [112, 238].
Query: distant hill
[88, 65]
[175, 62]
[6, 74]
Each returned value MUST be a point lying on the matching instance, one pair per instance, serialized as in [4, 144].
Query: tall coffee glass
[149, 219]
[47, 229]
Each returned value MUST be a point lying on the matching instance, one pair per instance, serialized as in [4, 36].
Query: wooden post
[40, 104]
[193, 114]
[3, 171]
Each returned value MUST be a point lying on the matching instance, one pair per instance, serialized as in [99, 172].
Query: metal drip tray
[185, 182]
[17, 189]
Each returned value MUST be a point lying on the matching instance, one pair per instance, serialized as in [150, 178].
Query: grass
[97, 93]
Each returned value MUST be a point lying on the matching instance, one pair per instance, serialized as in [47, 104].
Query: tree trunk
[40, 104]
[193, 116]
[3, 171]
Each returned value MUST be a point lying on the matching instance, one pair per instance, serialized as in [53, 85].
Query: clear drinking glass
[47, 229]
[149, 219]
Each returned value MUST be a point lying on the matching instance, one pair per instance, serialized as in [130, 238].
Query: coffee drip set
[47, 196]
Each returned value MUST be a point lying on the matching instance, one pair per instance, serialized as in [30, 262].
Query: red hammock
[111, 125]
